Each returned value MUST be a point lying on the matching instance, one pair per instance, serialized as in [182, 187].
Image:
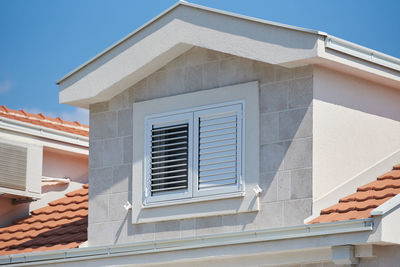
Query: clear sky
[42, 40]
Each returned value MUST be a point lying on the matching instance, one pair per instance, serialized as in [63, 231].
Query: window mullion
[195, 150]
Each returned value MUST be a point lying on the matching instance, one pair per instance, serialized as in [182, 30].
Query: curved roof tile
[368, 197]
[45, 121]
[61, 225]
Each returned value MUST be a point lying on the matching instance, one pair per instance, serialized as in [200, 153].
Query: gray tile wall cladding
[285, 152]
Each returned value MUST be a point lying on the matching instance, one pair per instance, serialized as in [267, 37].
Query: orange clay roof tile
[62, 225]
[45, 121]
[393, 174]
[368, 197]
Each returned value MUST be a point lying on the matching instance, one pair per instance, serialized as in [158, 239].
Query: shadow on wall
[10, 212]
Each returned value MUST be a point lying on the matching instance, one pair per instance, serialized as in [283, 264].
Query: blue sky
[42, 40]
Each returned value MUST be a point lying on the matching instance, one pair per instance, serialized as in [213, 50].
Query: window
[194, 153]
[207, 154]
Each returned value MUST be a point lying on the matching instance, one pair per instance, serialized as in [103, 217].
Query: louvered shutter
[217, 145]
[169, 157]
[13, 160]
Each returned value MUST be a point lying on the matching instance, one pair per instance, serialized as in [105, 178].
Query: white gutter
[184, 3]
[362, 52]
[36, 130]
[93, 253]
[387, 206]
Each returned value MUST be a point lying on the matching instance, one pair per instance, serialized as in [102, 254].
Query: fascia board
[362, 52]
[216, 240]
[48, 133]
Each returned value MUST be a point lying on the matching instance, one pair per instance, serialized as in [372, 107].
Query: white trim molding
[44, 132]
[240, 199]
[241, 244]
[362, 52]
[221, 159]
[387, 206]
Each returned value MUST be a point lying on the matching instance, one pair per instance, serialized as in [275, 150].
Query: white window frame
[238, 108]
[165, 121]
[191, 116]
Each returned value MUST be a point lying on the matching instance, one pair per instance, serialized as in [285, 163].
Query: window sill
[217, 205]
[192, 200]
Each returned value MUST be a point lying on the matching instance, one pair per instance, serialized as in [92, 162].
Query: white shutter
[169, 157]
[217, 146]
[13, 164]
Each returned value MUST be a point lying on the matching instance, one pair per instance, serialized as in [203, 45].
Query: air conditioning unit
[20, 169]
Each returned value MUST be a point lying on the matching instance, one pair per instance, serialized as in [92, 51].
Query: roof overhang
[289, 245]
[185, 25]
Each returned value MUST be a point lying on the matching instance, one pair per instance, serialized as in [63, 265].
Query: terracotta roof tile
[45, 121]
[61, 225]
[368, 197]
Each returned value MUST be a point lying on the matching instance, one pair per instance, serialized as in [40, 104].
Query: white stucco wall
[61, 164]
[356, 123]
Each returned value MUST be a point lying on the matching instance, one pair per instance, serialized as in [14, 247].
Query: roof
[45, 121]
[187, 25]
[368, 197]
[192, 5]
[352, 46]
[60, 225]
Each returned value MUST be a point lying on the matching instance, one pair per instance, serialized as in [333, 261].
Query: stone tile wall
[286, 148]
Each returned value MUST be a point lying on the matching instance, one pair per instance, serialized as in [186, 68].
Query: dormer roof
[186, 25]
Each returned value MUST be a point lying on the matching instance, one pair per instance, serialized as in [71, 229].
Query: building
[41, 159]
[222, 140]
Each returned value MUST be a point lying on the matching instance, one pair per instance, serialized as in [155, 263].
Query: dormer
[206, 122]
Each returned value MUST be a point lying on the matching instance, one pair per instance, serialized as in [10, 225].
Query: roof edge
[362, 52]
[301, 231]
[387, 206]
[184, 3]
[45, 132]
[330, 41]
